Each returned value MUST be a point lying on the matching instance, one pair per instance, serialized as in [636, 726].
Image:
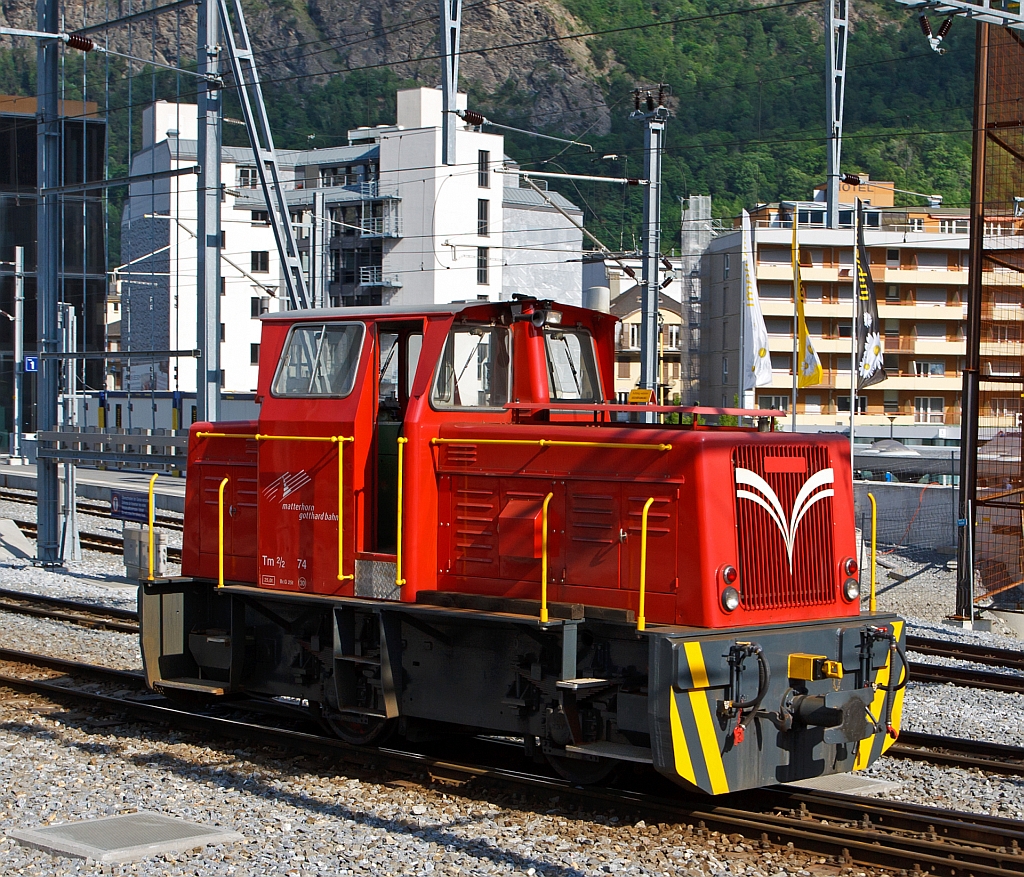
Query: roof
[516, 196]
[629, 302]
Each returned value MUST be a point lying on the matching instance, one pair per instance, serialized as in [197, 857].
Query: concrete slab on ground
[846, 784]
[14, 543]
[127, 838]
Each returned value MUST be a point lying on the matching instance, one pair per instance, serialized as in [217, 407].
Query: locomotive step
[201, 686]
[359, 711]
[358, 659]
[620, 751]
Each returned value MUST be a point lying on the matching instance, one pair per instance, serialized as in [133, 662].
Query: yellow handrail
[544, 558]
[641, 621]
[152, 516]
[220, 532]
[341, 506]
[551, 443]
[874, 544]
[399, 581]
[339, 440]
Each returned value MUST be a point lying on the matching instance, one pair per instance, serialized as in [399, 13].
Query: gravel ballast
[300, 818]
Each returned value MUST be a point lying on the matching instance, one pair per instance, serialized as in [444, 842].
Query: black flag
[870, 369]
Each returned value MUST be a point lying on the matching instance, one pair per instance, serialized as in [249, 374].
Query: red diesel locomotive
[438, 525]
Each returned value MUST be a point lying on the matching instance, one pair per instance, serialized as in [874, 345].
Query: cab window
[572, 367]
[319, 360]
[475, 370]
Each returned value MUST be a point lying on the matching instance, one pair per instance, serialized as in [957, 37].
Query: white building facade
[378, 222]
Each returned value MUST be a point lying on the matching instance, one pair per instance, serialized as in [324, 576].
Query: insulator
[926, 26]
[849, 179]
[661, 95]
[84, 44]
[636, 99]
[944, 27]
[472, 117]
[650, 102]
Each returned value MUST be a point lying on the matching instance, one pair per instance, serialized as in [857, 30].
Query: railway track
[99, 509]
[848, 831]
[98, 541]
[83, 614]
[956, 752]
[1008, 659]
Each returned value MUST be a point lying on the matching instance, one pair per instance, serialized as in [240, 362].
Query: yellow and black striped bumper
[693, 738]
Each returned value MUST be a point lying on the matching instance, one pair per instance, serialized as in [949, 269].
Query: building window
[634, 336]
[928, 409]
[929, 368]
[335, 266]
[222, 384]
[483, 169]
[260, 217]
[892, 402]
[915, 223]
[954, 226]
[221, 331]
[623, 368]
[1006, 407]
[483, 210]
[843, 403]
[260, 261]
[247, 178]
[773, 403]
[725, 368]
[892, 293]
[223, 286]
[892, 258]
[481, 265]
[259, 305]
[725, 267]
[673, 336]
[223, 239]
[254, 354]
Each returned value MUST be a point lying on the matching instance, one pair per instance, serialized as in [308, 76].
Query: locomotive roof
[388, 311]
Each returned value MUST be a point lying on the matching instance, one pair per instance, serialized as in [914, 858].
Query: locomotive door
[398, 349]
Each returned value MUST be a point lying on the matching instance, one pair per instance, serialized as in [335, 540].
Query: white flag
[757, 365]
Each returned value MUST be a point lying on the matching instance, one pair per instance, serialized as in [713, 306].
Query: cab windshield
[572, 366]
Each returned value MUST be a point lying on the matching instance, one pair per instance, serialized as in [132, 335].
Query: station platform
[169, 492]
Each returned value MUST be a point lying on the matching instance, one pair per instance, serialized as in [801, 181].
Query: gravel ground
[299, 818]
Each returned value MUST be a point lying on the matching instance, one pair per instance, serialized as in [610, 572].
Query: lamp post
[892, 421]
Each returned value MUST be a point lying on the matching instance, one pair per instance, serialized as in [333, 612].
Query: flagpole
[796, 353]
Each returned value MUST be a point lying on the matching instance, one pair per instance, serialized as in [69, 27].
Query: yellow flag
[808, 365]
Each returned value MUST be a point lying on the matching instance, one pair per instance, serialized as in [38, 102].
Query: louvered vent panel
[476, 537]
[789, 500]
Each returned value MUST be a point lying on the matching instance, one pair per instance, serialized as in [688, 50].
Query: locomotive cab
[439, 521]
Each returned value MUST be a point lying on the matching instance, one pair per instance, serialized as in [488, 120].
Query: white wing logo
[286, 484]
[769, 501]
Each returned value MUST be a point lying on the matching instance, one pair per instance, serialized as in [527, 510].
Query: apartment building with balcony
[379, 221]
[919, 266]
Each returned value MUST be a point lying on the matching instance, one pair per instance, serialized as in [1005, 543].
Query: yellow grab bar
[544, 558]
[220, 532]
[641, 622]
[399, 581]
[152, 516]
[874, 544]
[262, 437]
[550, 443]
[341, 506]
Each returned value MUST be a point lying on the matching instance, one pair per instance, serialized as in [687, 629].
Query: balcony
[927, 277]
[374, 276]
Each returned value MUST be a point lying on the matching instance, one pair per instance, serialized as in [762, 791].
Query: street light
[892, 420]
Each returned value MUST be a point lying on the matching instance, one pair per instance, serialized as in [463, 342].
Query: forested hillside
[746, 80]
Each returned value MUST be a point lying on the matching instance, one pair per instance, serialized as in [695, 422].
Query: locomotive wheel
[579, 771]
[359, 730]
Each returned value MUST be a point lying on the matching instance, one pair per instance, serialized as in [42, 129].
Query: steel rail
[83, 614]
[957, 752]
[974, 652]
[99, 510]
[892, 836]
[99, 541]
[937, 673]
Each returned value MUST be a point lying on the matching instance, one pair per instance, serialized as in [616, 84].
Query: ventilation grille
[785, 526]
